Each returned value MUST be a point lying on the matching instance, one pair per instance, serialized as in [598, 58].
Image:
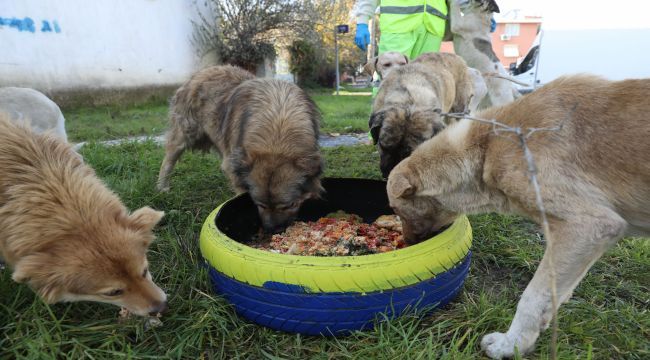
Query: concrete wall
[72, 45]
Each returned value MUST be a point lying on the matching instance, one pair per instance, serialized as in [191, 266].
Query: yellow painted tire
[365, 273]
[331, 295]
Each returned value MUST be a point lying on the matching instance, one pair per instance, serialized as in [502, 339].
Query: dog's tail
[496, 75]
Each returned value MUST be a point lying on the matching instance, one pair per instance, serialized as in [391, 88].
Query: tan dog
[64, 233]
[470, 28]
[594, 175]
[385, 63]
[403, 113]
[265, 130]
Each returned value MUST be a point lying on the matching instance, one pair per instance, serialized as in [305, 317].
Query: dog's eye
[115, 292]
[287, 207]
[144, 273]
[263, 206]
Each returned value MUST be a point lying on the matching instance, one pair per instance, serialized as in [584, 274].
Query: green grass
[346, 113]
[607, 318]
[115, 122]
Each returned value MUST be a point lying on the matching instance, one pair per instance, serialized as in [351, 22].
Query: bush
[302, 62]
[326, 76]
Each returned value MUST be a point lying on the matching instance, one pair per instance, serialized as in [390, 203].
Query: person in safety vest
[411, 27]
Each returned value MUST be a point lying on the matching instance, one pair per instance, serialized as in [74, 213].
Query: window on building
[511, 51]
[512, 29]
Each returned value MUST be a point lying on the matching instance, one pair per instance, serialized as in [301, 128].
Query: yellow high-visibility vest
[400, 16]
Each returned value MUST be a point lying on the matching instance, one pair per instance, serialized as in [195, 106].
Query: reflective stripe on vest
[400, 16]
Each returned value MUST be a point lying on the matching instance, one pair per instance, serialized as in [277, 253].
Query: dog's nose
[159, 308]
[275, 229]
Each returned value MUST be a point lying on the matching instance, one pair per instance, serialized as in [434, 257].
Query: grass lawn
[346, 113]
[115, 122]
[607, 318]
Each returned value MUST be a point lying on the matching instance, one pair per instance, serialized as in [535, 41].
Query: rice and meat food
[337, 234]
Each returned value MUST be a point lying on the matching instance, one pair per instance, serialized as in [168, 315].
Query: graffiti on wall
[29, 25]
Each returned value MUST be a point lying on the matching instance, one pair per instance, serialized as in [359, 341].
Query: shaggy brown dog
[64, 233]
[404, 114]
[594, 175]
[265, 130]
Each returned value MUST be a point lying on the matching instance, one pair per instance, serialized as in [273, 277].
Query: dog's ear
[145, 218]
[313, 189]
[401, 185]
[375, 123]
[241, 165]
[312, 165]
[35, 272]
[370, 66]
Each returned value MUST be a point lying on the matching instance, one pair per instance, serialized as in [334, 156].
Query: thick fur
[64, 233]
[479, 87]
[265, 130]
[404, 111]
[30, 107]
[470, 26]
[594, 175]
[385, 63]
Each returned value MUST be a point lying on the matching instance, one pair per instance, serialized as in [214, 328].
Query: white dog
[28, 106]
[385, 63]
[470, 26]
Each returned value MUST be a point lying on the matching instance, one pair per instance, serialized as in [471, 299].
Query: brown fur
[265, 130]
[404, 111]
[64, 233]
[594, 175]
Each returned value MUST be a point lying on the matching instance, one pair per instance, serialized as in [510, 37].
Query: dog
[479, 87]
[470, 28]
[265, 130]
[385, 63]
[28, 106]
[403, 113]
[594, 174]
[64, 233]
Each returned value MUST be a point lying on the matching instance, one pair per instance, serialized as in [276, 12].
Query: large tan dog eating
[594, 174]
[66, 235]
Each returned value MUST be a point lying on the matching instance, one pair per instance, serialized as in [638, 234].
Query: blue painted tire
[331, 295]
[335, 313]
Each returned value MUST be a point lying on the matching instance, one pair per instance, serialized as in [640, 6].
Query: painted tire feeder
[330, 295]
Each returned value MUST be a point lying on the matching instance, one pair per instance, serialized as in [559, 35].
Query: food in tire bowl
[343, 285]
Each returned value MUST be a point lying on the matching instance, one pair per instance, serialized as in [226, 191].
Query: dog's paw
[162, 188]
[498, 345]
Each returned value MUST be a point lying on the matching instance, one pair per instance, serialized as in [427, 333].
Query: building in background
[514, 36]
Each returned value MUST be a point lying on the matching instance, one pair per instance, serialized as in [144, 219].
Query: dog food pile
[337, 234]
[150, 322]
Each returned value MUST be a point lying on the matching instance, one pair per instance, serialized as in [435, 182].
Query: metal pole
[336, 50]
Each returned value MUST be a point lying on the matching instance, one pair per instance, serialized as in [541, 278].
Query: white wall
[95, 43]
